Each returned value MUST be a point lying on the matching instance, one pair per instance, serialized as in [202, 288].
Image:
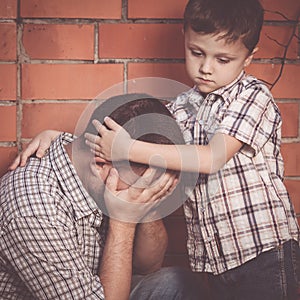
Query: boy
[242, 229]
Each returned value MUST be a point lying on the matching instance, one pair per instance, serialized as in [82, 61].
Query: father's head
[144, 118]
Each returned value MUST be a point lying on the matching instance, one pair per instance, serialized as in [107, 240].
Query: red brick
[167, 9]
[156, 9]
[72, 81]
[173, 71]
[293, 187]
[271, 40]
[141, 41]
[176, 229]
[102, 9]
[288, 85]
[7, 155]
[8, 41]
[288, 8]
[8, 9]
[291, 156]
[8, 82]
[290, 119]
[8, 123]
[59, 41]
[41, 116]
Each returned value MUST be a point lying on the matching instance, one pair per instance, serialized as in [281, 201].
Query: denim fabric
[273, 275]
[170, 283]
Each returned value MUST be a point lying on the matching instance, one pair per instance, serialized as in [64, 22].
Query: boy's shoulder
[248, 83]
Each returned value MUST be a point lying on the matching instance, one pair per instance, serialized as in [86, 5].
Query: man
[55, 242]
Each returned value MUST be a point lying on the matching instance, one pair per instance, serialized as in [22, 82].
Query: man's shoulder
[24, 191]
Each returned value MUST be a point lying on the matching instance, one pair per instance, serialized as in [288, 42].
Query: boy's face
[212, 63]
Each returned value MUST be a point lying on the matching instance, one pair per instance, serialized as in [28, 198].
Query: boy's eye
[196, 53]
[223, 60]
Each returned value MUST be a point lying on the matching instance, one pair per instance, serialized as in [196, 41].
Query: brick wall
[57, 55]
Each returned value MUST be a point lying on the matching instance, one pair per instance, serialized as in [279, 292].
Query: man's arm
[116, 264]
[150, 245]
[117, 261]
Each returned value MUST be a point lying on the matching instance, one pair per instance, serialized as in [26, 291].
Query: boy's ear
[250, 57]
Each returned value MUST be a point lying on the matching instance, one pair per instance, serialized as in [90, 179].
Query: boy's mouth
[203, 80]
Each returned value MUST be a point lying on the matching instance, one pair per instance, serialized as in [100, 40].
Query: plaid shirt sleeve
[253, 118]
[45, 256]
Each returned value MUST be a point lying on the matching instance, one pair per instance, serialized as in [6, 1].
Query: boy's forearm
[150, 246]
[187, 158]
[116, 264]
[205, 159]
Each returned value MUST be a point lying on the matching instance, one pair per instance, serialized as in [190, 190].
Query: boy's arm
[39, 145]
[188, 158]
[116, 144]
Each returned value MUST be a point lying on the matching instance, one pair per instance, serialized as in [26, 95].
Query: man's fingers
[146, 179]
[112, 181]
[146, 189]
[100, 160]
[162, 187]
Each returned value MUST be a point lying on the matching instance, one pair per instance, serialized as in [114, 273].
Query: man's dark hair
[145, 118]
[127, 110]
[235, 18]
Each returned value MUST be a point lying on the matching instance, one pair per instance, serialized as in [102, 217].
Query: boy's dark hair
[235, 18]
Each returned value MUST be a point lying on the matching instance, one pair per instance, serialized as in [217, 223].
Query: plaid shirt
[244, 209]
[51, 238]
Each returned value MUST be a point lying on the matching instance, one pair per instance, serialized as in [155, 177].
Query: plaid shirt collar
[196, 99]
[71, 184]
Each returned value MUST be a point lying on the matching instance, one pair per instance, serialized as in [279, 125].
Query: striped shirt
[51, 238]
[244, 209]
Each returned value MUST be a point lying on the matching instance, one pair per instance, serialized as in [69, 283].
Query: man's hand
[39, 144]
[114, 142]
[133, 204]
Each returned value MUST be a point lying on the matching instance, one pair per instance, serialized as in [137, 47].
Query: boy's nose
[206, 66]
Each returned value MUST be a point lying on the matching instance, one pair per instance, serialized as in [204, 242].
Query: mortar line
[19, 105]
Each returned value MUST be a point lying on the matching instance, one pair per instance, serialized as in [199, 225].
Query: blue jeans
[273, 275]
[170, 283]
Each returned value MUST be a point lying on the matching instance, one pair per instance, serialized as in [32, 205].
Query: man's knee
[168, 283]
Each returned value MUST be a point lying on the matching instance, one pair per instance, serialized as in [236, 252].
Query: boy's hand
[113, 144]
[39, 144]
